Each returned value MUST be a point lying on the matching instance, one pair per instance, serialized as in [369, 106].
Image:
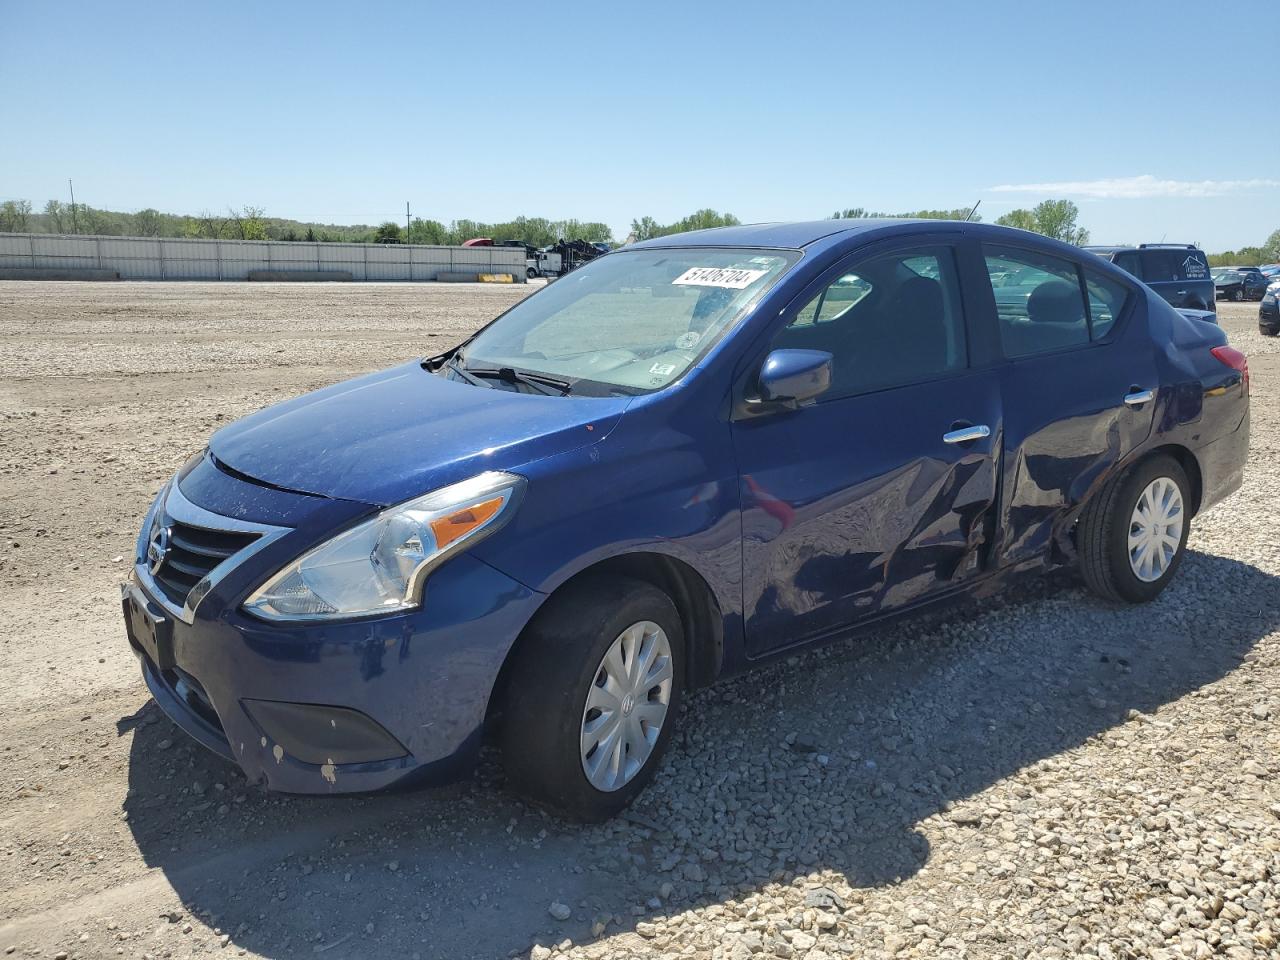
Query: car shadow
[827, 761]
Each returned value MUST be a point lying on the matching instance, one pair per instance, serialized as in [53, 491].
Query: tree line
[1053, 218]
[252, 223]
[1269, 252]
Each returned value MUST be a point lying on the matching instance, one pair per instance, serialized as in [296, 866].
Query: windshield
[630, 322]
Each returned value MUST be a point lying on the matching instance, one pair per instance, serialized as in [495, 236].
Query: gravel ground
[1043, 776]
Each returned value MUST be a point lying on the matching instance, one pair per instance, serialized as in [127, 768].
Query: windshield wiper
[454, 365]
[551, 386]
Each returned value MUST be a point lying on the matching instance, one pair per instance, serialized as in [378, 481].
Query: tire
[1103, 534]
[1237, 294]
[560, 660]
[531, 273]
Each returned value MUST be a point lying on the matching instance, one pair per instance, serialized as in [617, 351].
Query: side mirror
[794, 376]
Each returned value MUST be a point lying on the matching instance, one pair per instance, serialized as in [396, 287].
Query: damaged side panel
[857, 505]
[1067, 427]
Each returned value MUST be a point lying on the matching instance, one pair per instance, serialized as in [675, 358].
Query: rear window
[1173, 265]
[1106, 301]
[1038, 299]
[1041, 302]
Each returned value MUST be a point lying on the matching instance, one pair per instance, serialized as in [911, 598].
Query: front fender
[651, 487]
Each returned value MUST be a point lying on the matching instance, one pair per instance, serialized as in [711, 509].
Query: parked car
[1239, 283]
[1269, 311]
[686, 458]
[1179, 272]
[1271, 271]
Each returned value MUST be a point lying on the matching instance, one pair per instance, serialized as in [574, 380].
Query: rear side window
[1038, 299]
[1106, 300]
[1129, 261]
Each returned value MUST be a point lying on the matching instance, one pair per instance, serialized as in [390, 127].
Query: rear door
[1079, 365]
[868, 499]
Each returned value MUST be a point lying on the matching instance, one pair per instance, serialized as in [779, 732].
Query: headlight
[380, 565]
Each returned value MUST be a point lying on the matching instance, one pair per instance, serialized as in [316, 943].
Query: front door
[882, 491]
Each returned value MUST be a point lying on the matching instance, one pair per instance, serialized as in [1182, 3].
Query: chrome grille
[188, 554]
[185, 550]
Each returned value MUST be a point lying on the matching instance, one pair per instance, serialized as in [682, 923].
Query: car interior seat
[1055, 318]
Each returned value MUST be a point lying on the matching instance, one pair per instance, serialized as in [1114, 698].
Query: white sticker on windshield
[662, 369]
[730, 277]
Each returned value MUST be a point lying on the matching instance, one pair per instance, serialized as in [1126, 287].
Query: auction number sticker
[731, 278]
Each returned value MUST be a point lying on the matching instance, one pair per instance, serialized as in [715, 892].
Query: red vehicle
[478, 242]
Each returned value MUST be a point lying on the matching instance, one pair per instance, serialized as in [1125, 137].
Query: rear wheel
[1133, 533]
[593, 694]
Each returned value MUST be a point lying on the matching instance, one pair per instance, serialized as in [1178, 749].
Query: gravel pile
[1043, 775]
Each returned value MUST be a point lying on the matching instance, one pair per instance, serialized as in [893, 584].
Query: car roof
[818, 236]
[785, 235]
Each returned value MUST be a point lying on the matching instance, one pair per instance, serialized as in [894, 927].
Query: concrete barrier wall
[146, 258]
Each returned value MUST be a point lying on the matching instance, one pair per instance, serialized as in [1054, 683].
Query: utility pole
[75, 226]
[406, 221]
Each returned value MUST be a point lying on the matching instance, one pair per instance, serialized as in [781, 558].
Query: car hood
[399, 433]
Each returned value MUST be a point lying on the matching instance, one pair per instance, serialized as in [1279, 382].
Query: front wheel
[1237, 294]
[1133, 532]
[593, 693]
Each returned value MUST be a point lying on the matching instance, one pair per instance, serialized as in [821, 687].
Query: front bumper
[332, 707]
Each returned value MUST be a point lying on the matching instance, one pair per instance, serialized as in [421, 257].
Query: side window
[1106, 300]
[890, 320]
[1038, 300]
[833, 302]
[1129, 261]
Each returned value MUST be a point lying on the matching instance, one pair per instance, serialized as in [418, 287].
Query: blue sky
[1156, 121]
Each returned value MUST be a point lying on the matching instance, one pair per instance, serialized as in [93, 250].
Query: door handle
[967, 434]
[1136, 397]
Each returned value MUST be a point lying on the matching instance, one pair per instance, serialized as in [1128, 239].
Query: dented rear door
[1066, 428]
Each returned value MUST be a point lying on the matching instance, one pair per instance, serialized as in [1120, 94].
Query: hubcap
[1155, 530]
[626, 706]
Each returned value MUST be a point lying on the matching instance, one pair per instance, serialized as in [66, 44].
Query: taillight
[1234, 359]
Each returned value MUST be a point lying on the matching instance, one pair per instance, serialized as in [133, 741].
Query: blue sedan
[688, 457]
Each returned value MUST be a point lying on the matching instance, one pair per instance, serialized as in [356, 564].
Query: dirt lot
[1048, 777]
